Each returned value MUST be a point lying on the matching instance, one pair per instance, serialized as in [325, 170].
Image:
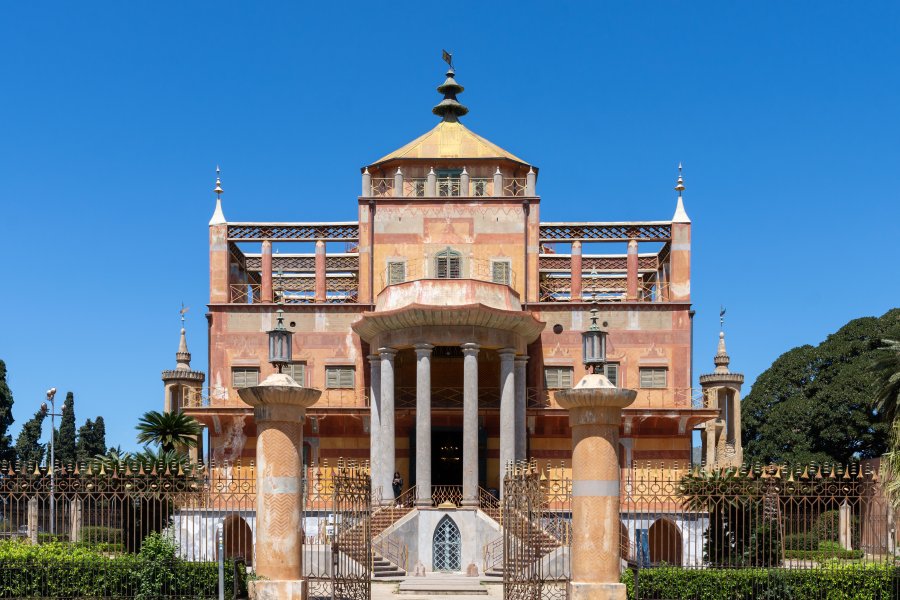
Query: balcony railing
[445, 187]
[472, 268]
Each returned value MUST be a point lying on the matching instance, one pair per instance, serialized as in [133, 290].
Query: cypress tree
[7, 452]
[29, 449]
[65, 443]
[91, 440]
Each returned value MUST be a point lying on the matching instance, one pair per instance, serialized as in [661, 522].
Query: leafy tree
[170, 431]
[814, 404]
[65, 440]
[7, 452]
[91, 440]
[29, 449]
[887, 401]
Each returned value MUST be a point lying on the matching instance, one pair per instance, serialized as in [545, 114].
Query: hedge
[820, 555]
[56, 570]
[833, 582]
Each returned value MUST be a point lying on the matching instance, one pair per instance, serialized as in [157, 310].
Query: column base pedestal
[597, 591]
[278, 590]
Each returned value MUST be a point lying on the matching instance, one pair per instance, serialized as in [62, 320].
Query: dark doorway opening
[446, 457]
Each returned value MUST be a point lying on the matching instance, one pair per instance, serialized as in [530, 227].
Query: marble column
[521, 447]
[387, 444]
[279, 408]
[470, 425]
[507, 410]
[375, 456]
[423, 424]
[595, 412]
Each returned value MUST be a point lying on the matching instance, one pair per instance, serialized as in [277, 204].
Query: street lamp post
[51, 397]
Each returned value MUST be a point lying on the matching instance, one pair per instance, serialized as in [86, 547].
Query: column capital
[423, 349]
[373, 357]
[507, 353]
[521, 360]
[470, 349]
[387, 353]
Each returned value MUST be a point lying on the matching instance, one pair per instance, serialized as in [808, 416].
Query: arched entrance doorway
[237, 539]
[665, 543]
[446, 546]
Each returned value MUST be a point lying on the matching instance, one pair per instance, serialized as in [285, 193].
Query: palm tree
[887, 370]
[168, 430]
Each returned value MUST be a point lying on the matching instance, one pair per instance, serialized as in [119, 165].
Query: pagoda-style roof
[449, 139]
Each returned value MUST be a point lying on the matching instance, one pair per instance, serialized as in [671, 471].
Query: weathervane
[218, 189]
[448, 58]
[183, 310]
[721, 318]
[679, 185]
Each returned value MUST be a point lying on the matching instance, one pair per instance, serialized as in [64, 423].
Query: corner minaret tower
[183, 387]
[722, 391]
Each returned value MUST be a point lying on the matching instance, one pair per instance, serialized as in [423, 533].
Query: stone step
[442, 586]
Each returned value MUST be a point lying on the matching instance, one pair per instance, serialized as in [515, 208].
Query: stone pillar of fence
[76, 520]
[845, 525]
[595, 411]
[33, 520]
[279, 405]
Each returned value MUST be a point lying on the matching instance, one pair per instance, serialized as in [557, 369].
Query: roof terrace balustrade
[474, 187]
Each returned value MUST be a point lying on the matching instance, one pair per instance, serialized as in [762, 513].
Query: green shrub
[94, 534]
[76, 571]
[847, 582]
[801, 541]
[824, 554]
[46, 538]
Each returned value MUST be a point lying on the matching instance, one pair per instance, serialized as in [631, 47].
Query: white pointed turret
[680, 215]
[182, 357]
[218, 217]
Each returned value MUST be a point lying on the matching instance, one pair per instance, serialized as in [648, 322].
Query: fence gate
[537, 522]
[337, 519]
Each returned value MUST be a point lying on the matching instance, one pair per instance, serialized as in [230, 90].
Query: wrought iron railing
[446, 494]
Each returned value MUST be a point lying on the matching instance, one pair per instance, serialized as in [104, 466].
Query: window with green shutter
[447, 264]
[611, 370]
[653, 377]
[244, 377]
[339, 377]
[396, 272]
[558, 378]
[296, 371]
[500, 271]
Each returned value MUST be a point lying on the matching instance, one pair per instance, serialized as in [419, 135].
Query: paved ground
[461, 584]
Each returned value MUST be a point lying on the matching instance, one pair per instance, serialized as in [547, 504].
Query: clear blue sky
[113, 116]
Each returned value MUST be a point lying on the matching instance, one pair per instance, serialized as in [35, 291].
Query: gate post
[279, 405]
[595, 411]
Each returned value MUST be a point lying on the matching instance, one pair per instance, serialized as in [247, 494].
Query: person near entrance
[397, 485]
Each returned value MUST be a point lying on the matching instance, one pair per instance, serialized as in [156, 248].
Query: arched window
[446, 546]
[665, 543]
[447, 264]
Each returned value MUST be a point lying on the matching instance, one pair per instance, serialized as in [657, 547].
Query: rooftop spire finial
[183, 356]
[680, 214]
[679, 185]
[218, 217]
[449, 108]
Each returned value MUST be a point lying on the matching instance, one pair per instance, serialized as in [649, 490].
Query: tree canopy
[815, 403]
[65, 440]
[7, 452]
[29, 449]
[91, 440]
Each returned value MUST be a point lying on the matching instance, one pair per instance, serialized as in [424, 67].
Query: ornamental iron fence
[756, 532]
[138, 528]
